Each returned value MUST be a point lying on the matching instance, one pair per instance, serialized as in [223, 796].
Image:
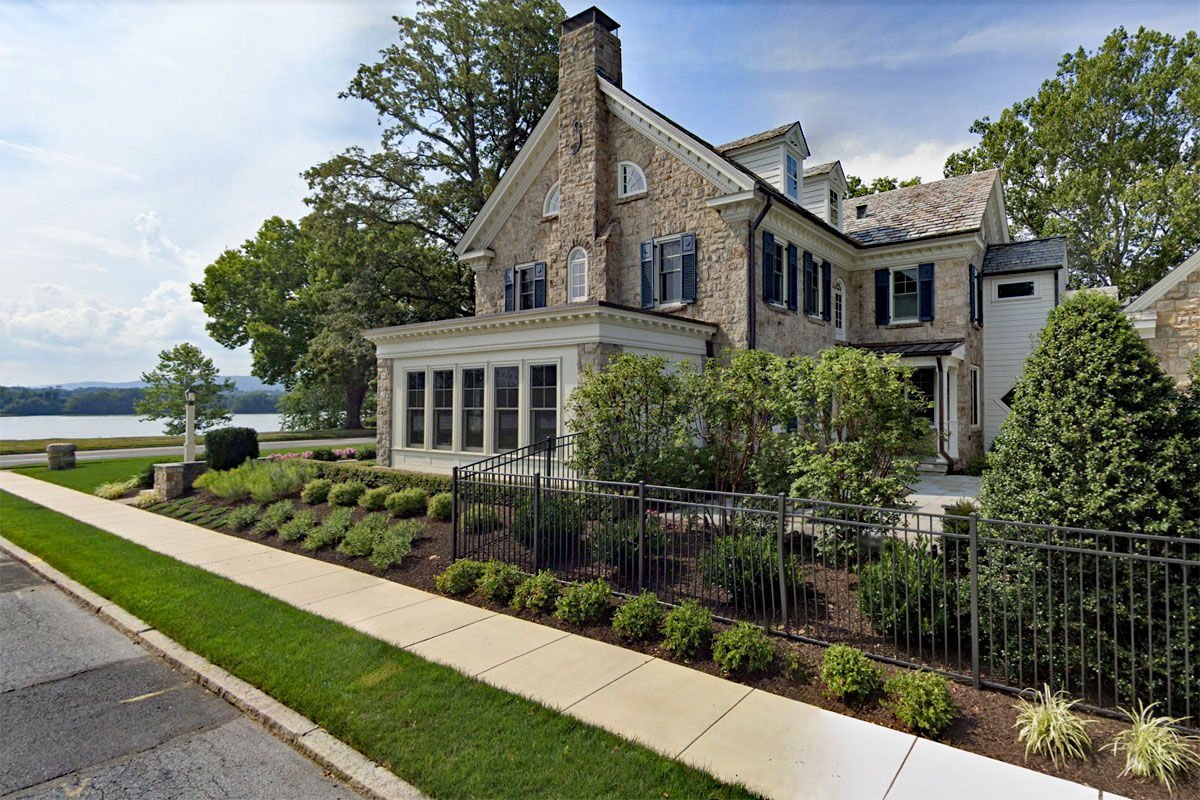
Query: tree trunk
[355, 392]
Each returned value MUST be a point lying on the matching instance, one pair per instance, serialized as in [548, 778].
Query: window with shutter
[883, 280]
[793, 255]
[688, 261]
[647, 274]
[768, 267]
[810, 285]
[925, 292]
[509, 290]
[971, 291]
[826, 289]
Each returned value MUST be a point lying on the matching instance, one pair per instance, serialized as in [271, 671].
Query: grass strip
[15, 446]
[447, 734]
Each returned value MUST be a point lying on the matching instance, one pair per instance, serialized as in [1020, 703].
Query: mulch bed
[984, 724]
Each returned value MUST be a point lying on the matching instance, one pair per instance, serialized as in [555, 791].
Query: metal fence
[1104, 616]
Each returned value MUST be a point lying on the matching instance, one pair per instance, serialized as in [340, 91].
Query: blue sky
[139, 139]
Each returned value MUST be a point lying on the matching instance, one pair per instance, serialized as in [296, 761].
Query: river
[112, 425]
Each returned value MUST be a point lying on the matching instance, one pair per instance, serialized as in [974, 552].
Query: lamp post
[189, 432]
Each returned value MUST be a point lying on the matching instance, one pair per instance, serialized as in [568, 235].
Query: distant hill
[243, 383]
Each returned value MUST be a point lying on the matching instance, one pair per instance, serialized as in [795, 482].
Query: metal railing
[1102, 615]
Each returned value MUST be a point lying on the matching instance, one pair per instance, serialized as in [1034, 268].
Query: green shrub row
[372, 477]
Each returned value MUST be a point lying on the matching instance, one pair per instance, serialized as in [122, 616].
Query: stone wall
[1177, 328]
[174, 479]
[383, 412]
[595, 355]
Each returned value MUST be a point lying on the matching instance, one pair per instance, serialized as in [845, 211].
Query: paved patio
[934, 492]
[775, 746]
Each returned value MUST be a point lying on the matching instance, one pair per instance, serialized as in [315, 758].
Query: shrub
[374, 499]
[583, 602]
[316, 491]
[976, 466]
[226, 448]
[363, 535]
[848, 674]
[559, 524]
[323, 454]
[1153, 748]
[746, 566]
[274, 516]
[372, 476]
[957, 552]
[299, 526]
[744, 648]
[615, 542]
[461, 577]
[406, 503]
[638, 618]
[265, 481]
[687, 630]
[478, 520]
[1049, 727]
[538, 593]
[441, 506]
[366, 453]
[146, 477]
[394, 543]
[242, 517]
[906, 594]
[346, 494]
[331, 531]
[114, 489]
[147, 499]
[498, 581]
[921, 701]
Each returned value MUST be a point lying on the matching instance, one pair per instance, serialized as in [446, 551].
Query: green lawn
[447, 734]
[12, 446]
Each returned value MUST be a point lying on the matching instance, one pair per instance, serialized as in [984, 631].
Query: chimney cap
[592, 16]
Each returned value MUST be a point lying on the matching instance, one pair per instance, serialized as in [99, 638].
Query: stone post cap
[60, 447]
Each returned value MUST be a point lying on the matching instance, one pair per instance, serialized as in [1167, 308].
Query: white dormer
[776, 156]
[825, 192]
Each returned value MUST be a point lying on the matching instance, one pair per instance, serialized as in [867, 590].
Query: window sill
[906, 323]
[817, 318]
[629, 197]
[548, 217]
[670, 308]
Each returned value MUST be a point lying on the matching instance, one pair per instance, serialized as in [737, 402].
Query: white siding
[765, 161]
[1009, 328]
[816, 196]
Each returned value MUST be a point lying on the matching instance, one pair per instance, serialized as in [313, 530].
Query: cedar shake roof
[819, 169]
[953, 205]
[756, 138]
[1035, 254]
[914, 348]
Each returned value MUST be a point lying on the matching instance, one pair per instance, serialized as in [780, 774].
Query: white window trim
[892, 295]
[621, 193]
[460, 432]
[526, 435]
[781, 246]
[786, 157]
[546, 212]
[839, 290]
[976, 389]
[657, 276]
[490, 431]
[570, 276]
[404, 408]
[517, 286]
[835, 207]
[996, 298]
[818, 312]
[455, 405]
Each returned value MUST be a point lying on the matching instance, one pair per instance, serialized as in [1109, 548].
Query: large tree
[857, 187]
[179, 369]
[1107, 153]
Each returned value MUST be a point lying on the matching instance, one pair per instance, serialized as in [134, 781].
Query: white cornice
[737, 207]
[798, 230]
[1165, 284]
[478, 260]
[964, 245]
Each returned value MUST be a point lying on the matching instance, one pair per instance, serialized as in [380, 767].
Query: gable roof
[1026, 256]
[746, 141]
[951, 205]
[1165, 284]
[820, 169]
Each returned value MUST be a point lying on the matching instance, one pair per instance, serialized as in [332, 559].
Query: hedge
[374, 477]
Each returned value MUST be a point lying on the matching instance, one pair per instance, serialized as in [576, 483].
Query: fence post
[779, 548]
[537, 521]
[974, 541]
[549, 456]
[453, 515]
[641, 535]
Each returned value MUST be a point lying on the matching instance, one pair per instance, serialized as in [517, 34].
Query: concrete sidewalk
[775, 746]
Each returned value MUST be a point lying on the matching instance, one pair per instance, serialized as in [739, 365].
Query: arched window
[630, 179]
[577, 275]
[839, 310]
[550, 204]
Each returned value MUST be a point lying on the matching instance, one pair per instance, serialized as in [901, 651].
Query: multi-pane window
[550, 205]
[925, 382]
[793, 177]
[779, 273]
[577, 275]
[415, 423]
[507, 389]
[812, 289]
[630, 179]
[525, 285]
[833, 207]
[974, 395]
[670, 271]
[543, 402]
[839, 309]
[472, 409]
[443, 409]
[904, 294]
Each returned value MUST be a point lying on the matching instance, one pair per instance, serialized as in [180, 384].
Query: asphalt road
[23, 459]
[88, 714]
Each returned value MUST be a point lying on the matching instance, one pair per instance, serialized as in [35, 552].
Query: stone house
[616, 229]
[1167, 316]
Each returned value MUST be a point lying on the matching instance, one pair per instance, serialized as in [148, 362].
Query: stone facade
[60, 455]
[174, 479]
[1176, 339]
[595, 355]
[383, 413]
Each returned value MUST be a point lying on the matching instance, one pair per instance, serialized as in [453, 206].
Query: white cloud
[866, 158]
[50, 156]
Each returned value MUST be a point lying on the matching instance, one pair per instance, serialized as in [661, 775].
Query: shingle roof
[1049, 253]
[756, 138]
[947, 206]
[819, 169]
[914, 348]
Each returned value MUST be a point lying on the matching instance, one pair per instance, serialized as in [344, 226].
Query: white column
[189, 429]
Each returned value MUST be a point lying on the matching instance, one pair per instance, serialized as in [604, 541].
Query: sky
[140, 139]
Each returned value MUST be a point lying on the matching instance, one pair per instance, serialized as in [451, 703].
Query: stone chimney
[586, 170]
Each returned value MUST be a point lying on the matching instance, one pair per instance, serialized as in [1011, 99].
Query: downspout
[941, 414]
[751, 308]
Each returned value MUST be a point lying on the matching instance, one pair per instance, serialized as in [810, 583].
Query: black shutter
[810, 297]
[539, 284]
[647, 274]
[883, 284]
[793, 256]
[925, 292]
[979, 298]
[826, 291]
[688, 262]
[972, 293]
[768, 267]
[509, 298]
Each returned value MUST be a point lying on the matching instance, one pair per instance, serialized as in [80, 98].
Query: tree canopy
[857, 187]
[1107, 153]
[180, 368]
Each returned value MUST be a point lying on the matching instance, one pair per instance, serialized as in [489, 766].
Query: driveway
[25, 459]
[88, 714]
[934, 492]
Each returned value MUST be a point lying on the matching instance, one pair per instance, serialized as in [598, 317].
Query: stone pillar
[383, 411]
[174, 479]
[60, 455]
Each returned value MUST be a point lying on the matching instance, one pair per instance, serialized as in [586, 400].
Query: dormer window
[793, 177]
[550, 204]
[631, 181]
[833, 207]
[860, 211]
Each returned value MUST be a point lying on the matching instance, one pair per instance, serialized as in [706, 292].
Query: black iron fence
[1105, 616]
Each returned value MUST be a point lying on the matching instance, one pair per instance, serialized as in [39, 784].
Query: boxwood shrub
[346, 494]
[226, 448]
[407, 503]
[372, 476]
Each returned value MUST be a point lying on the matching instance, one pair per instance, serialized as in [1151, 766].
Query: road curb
[349, 765]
